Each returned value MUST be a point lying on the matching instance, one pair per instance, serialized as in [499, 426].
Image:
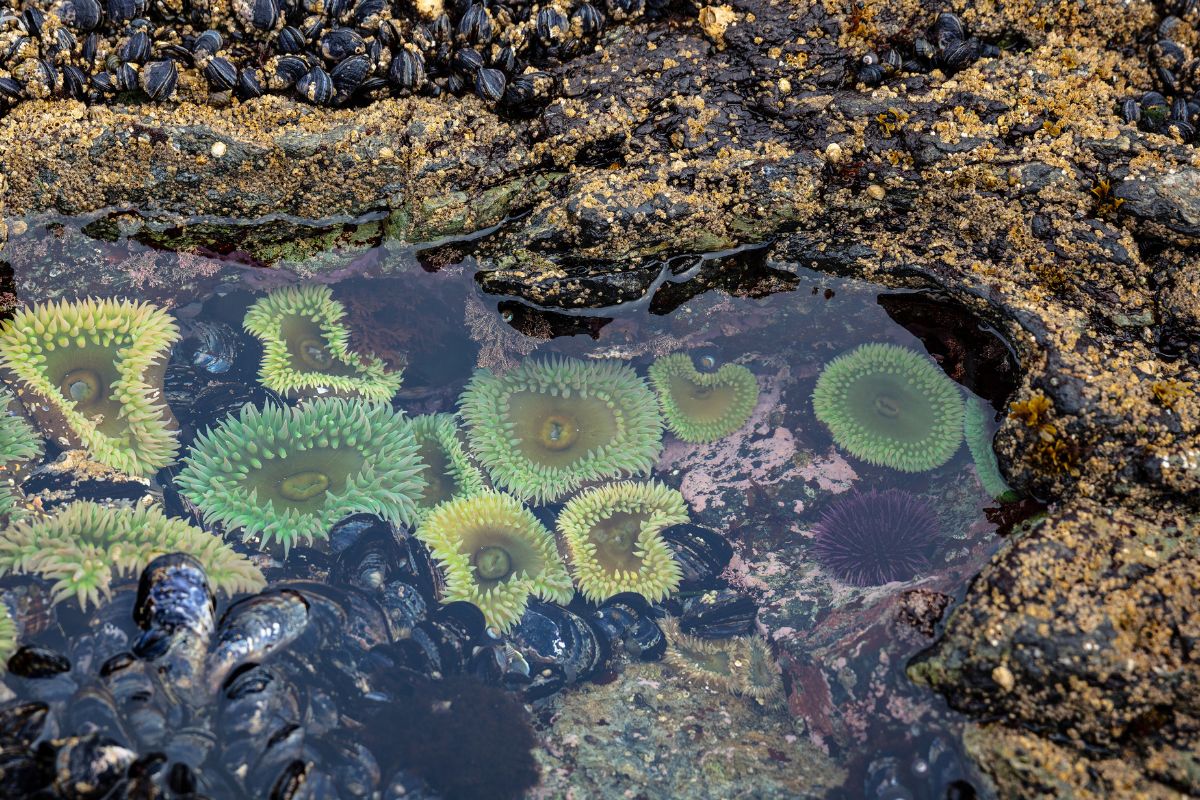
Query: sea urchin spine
[703, 406]
[872, 538]
[612, 536]
[90, 374]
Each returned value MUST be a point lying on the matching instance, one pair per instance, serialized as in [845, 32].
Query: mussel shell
[215, 348]
[702, 554]
[719, 614]
[339, 618]
[404, 605]
[174, 593]
[35, 662]
[562, 648]
[22, 723]
[71, 477]
[254, 628]
[89, 767]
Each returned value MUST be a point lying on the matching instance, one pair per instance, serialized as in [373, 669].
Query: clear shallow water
[843, 705]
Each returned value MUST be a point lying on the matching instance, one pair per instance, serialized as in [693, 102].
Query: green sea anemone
[8, 636]
[703, 406]
[612, 538]
[288, 474]
[890, 406]
[305, 347]
[547, 427]
[448, 472]
[978, 433]
[90, 374]
[741, 665]
[85, 546]
[495, 554]
[19, 445]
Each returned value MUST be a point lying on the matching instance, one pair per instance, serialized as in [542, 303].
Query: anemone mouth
[548, 427]
[447, 471]
[288, 474]
[305, 347]
[495, 554]
[703, 406]
[90, 374]
[612, 538]
[83, 547]
[872, 538]
[890, 406]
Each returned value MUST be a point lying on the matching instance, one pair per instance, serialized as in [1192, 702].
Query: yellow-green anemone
[890, 406]
[288, 474]
[547, 427]
[977, 430]
[742, 665]
[19, 445]
[612, 538]
[494, 553]
[448, 472]
[703, 406]
[8, 636]
[85, 546]
[306, 347]
[90, 374]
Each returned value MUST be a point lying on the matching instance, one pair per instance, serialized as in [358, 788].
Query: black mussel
[369, 14]
[291, 41]
[260, 14]
[75, 82]
[62, 46]
[349, 74]
[404, 606]
[466, 61]
[1155, 110]
[441, 29]
[34, 18]
[644, 640]
[500, 664]
[249, 85]
[135, 49]
[948, 28]
[923, 48]
[283, 72]
[339, 617]
[591, 21]
[890, 61]
[213, 347]
[83, 15]
[490, 85]
[89, 767]
[475, 26]
[719, 614]
[1185, 130]
[253, 629]
[302, 779]
[370, 552]
[1170, 83]
[159, 79]
[526, 94]
[960, 53]
[207, 44]
[629, 619]
[72, 477]
[128, 682]
[21, 724]
[176, 610]
[104, 83]
[561, 648]
[93, 710]
[407, 70]
[551, 26]
[702, 554]
[341, 43]
[350, 764]
[316, 87]
[10, 89]
[88, 51]
[124, 10]
[220, 74]
[454, 629]
[1130, 110]
[1168, 54]
[1180, 111]
[214, 402]
[505, 60]
[108, 633]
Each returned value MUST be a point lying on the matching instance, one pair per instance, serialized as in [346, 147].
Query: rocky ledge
[1012, 185]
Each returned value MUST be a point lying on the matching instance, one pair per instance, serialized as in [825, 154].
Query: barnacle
[872, 538]
[305, 347]
[703, 406]
[90, 374]
[890, 406]
[612, 537]
[494, 553]
[19, 444]
[288, 474]
[742, 665]
[447, 470]
[978, 434]
[549, 426]
[86, 545]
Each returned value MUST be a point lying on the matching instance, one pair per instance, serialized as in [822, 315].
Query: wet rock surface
[1012, 186]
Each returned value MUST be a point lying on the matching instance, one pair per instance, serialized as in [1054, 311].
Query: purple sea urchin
[872, 538]
[548, 427]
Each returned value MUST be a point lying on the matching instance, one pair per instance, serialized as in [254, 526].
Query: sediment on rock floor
[1013, 187]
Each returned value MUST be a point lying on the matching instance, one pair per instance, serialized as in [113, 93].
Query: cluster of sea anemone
[287, 474]
[306, 347]
[90, 374]
[703, 406]
[86, 545]
[890, 406]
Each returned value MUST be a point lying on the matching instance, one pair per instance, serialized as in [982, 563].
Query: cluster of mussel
[326, 52]
[288, 693]
[945, 46]
[1175, 110]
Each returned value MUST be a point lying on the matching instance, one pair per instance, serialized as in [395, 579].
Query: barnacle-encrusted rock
[305, 348]
[495, 554]
[1060, 630]
[288, 474]
[85, 546]
[549, 426]
[612, 538]
[90, 374]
